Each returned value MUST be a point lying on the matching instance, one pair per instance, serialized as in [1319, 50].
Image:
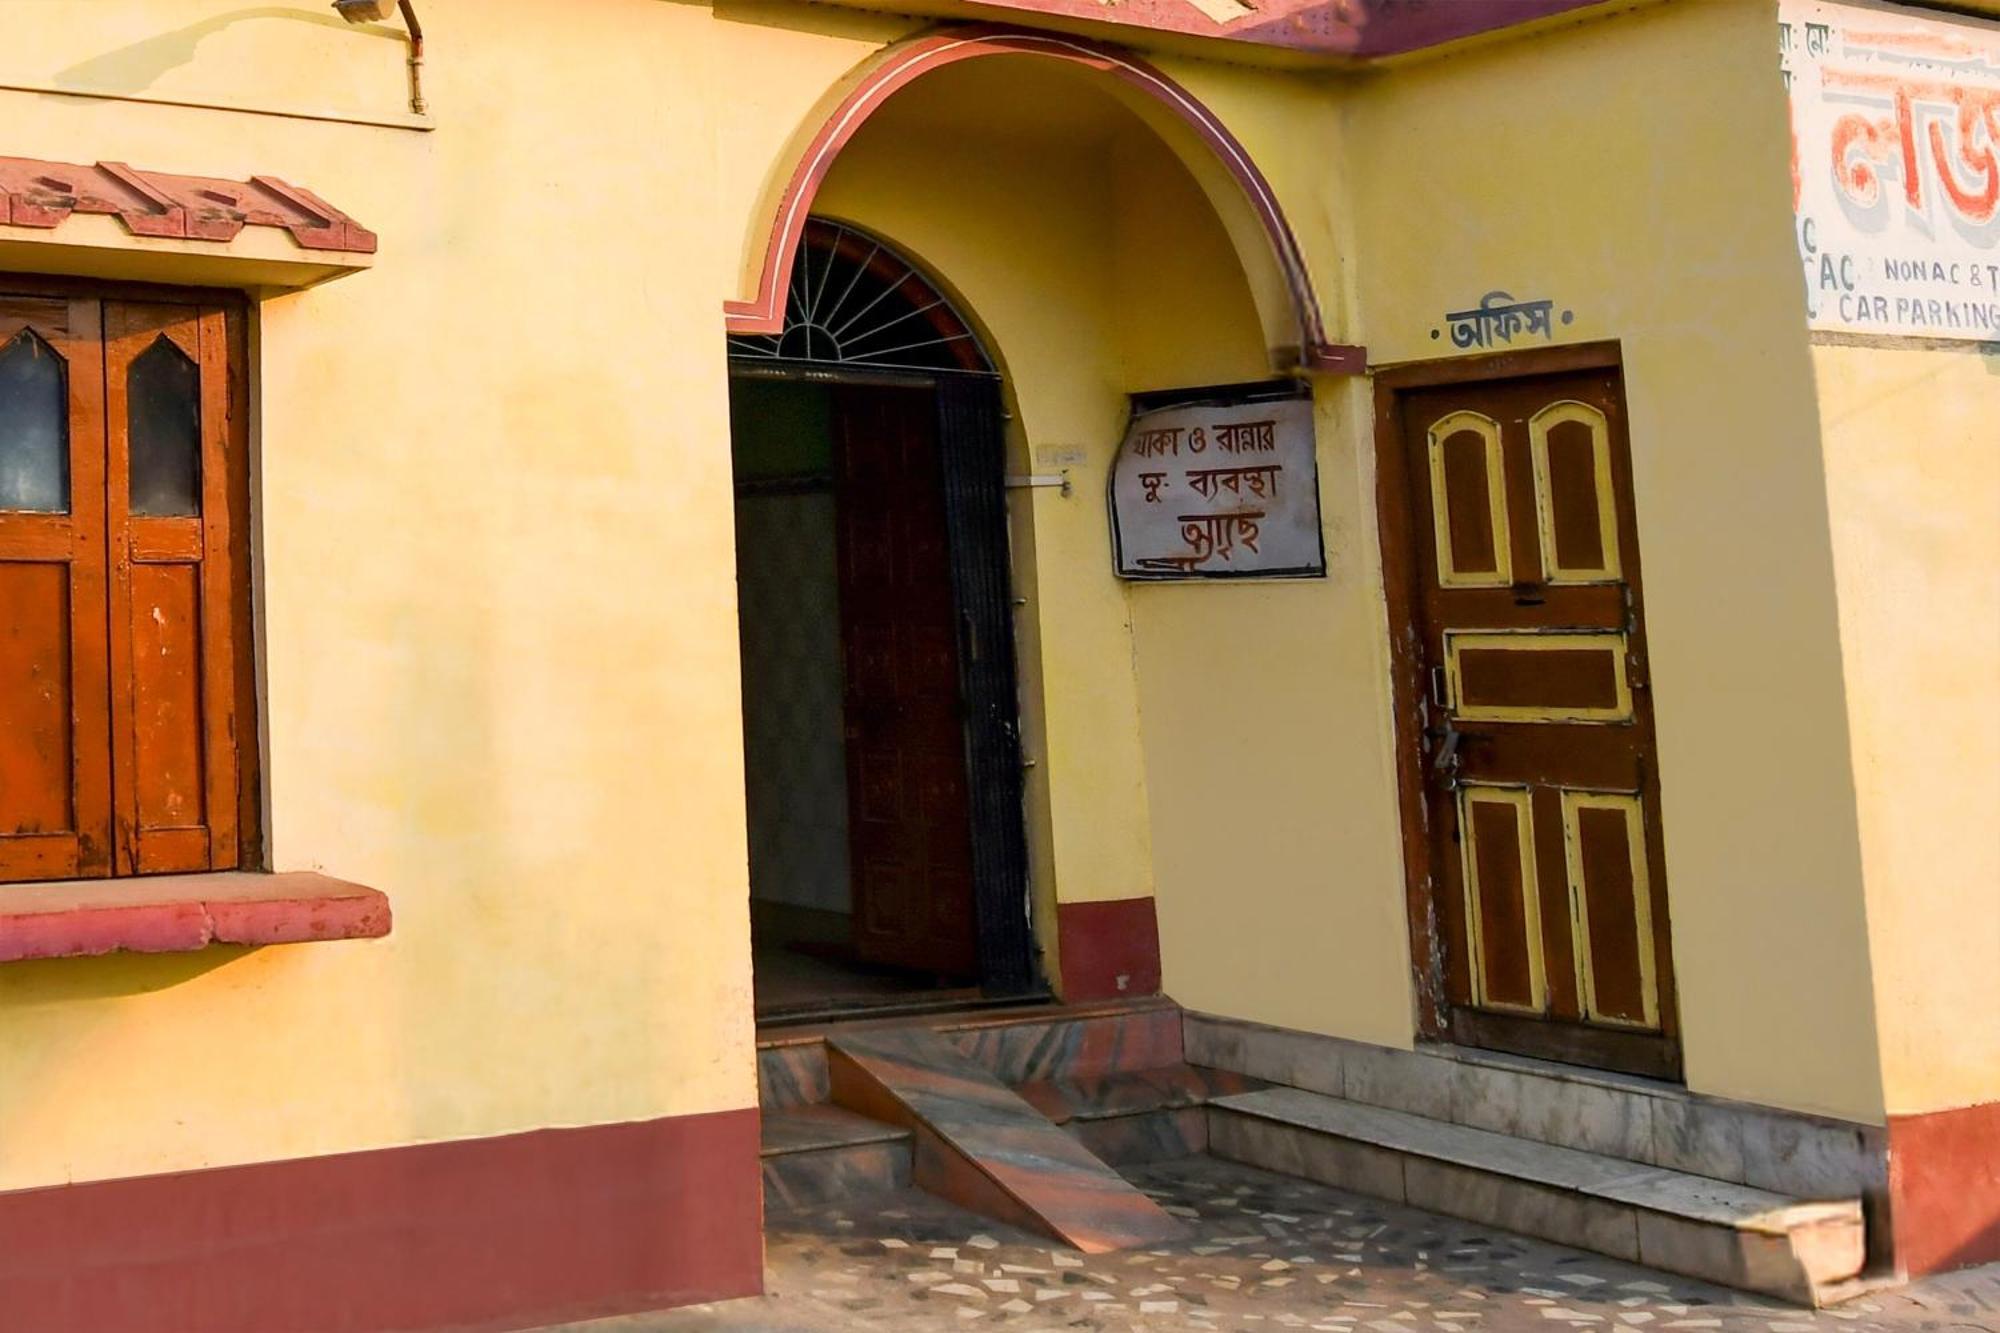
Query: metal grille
[854, 301]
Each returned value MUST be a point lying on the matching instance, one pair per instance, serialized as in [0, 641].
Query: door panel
[909, 803]
[1502, 899]
[55, 777]
[1474, 542]
[1540, 676]
[1536, 724]
[1576, 507]
[166, 696]
[1604, 850]
[168, 481]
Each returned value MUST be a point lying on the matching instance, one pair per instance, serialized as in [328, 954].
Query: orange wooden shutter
[169, 472]
[55, 772]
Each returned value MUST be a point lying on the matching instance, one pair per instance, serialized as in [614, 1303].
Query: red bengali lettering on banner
[1959, 125]
[1895, 168]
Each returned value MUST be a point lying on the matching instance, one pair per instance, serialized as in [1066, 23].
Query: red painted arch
[765, 313]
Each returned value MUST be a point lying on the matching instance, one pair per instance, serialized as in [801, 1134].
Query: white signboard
[1895, 168]
[1226, 490]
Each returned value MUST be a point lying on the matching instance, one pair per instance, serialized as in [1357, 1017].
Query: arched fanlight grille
[855, 302]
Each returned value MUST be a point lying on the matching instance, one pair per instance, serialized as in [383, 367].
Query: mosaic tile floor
[1267, 1254]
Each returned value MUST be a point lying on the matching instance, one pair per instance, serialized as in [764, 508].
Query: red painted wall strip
[1944, 1188]
[1108, 950]
[494, 1233]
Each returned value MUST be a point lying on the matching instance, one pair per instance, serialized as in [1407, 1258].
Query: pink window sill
[182, 913]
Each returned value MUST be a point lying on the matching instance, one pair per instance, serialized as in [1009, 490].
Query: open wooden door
[909, 813]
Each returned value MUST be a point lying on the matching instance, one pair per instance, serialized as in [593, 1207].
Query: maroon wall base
[487, 1233]
[1944, 1188]
[1109, 950]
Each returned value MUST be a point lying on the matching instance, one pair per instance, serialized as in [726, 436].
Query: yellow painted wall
[1270, 762]
[1265, 712]
[1636, 171]
[1913, 479]
[499, 646]
[494, 557]
[498, 612]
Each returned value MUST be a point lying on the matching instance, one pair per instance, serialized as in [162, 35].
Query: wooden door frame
[982, 583]
[1397, 525]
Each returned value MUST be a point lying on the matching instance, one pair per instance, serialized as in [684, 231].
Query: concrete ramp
[980, 1145]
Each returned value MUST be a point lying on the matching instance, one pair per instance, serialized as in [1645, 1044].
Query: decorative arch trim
[765, 313]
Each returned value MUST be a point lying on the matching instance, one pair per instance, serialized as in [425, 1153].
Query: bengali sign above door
[1221, 484]
[1895, 168]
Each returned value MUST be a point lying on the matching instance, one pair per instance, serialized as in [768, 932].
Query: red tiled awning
[44, 195]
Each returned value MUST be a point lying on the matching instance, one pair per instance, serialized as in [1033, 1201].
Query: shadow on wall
[64, 980]
[137, 67]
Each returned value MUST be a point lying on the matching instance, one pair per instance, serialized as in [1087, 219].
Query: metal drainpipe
[417, 104]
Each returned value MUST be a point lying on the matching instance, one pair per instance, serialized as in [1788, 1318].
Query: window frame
[229, 689]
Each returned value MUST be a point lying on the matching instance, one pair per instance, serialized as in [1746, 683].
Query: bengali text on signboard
[1218, 490]
[1895, 168]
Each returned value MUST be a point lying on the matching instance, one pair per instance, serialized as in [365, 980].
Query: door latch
[1447, 761]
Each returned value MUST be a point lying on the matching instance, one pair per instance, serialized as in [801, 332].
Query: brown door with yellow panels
[1532, 721]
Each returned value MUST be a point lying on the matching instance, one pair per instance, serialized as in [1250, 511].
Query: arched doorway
[882, 756]
[1233, 184]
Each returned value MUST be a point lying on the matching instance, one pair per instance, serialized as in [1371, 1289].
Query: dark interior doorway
[883, 776]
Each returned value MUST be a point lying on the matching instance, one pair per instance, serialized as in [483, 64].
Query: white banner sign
[1218, 491]
[1895, 168]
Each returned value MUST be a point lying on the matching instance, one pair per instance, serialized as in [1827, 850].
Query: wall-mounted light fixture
[375, 11]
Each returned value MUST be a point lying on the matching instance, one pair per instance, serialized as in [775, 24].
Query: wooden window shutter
[55, 750]
[170, 477]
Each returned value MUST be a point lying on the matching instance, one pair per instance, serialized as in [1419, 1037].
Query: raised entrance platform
[1023, 1113]
[1028, 1115]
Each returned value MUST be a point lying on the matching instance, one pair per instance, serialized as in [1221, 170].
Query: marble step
[1136, 1117]
[980, 1145]
[1022, 1045]
[1071, 1042]
[1729, 1234]
[1134, 1092]
[816, 1154]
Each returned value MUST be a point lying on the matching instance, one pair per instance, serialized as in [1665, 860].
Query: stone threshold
[1730, 1234]
[1642, 1120]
